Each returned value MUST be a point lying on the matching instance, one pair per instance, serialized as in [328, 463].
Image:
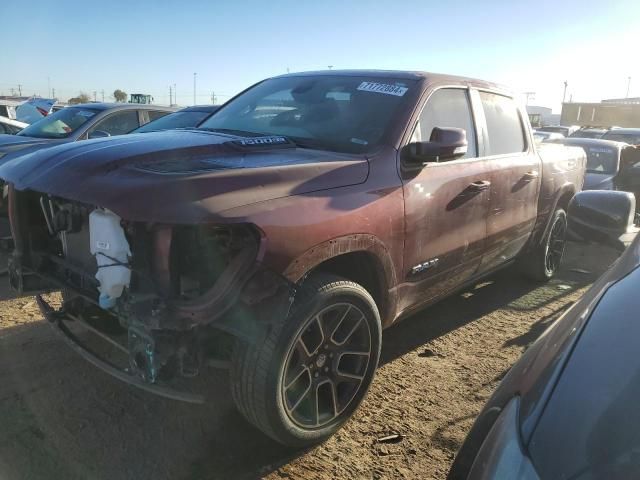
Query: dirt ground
[60, 418]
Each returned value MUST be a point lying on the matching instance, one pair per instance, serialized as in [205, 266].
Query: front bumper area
[57, 319]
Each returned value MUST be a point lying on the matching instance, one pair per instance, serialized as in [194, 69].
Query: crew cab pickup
[281, 236]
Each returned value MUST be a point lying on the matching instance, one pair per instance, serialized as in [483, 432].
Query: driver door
[446, 206]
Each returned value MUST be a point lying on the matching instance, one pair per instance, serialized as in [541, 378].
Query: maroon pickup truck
[285, 233]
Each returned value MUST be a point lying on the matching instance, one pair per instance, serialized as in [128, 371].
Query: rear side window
[504, 126]
[118, 123]
[156, 114]
[447, 107]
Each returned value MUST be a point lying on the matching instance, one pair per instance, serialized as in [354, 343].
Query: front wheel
[543, 262]
[308, 376]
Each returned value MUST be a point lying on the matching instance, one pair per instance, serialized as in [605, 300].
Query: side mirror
[445, 144]
[99, 134]
[603, 216]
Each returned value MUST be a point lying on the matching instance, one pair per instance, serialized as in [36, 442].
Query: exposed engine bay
[164, 294]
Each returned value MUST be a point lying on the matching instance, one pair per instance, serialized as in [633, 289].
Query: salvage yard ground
[63, 419]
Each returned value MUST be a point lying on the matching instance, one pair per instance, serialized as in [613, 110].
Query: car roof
[200, 108]
[402, 74]
[594, 142]
[123, 106]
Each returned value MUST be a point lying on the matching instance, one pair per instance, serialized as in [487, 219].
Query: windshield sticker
[85, 113]
[359, 141]
[383, 88]
[600, 150]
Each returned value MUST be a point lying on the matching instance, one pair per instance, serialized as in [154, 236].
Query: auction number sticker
[385, 88]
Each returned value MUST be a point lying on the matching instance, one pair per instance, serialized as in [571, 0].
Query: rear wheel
[544, 261]
[311, 372]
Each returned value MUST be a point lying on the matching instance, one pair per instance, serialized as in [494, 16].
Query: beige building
[615, 112]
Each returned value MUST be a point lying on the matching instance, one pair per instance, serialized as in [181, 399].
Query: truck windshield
[60, 124]
[601, 160]
[339, 113]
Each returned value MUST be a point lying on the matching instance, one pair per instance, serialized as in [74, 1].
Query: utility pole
[329, 67]
[564, 94]
[194, 87]
[95, 96]
[49, 87]
[102, 92]
[529, 95]
[19, 90]
[175, 94]
[628, 86]
[53, 93]
[213, 98]
[170, 97]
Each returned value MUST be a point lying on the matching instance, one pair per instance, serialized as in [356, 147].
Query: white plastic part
[111, 249]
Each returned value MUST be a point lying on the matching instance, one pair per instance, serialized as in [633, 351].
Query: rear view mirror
[445, 144]
[603, 216]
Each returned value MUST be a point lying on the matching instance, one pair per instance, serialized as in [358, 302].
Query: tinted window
[118, 123]
[504, 127]
[156, 114]
[340, 113]
[175, 120]
[601, 159]
[448, 107]
[60, 124]
[630, 138]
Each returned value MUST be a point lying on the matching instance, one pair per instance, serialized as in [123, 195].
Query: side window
[118, 123]
[447, 107]
[504, 126]
[155, 114]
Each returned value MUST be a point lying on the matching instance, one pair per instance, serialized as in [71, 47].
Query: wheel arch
[561, 200]
[361, 258]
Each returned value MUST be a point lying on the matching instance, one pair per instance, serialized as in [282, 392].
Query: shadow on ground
[61, 418]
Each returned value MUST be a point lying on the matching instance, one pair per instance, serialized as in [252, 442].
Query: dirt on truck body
[281, 236]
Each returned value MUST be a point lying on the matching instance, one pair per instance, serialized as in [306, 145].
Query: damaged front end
[170, 298]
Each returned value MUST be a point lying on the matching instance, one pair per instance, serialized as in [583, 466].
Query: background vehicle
[567, 408]
[189, 117]
[80, 122]
[588, 132]
[604, 161]
[547, 136]
[564, 130]
[626, 135]
[291, 227]
[11, 127]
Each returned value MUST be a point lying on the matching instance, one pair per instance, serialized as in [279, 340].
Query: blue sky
[145, 46]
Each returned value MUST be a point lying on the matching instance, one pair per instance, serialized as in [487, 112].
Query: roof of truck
[402, 74]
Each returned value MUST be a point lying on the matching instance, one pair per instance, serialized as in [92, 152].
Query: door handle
[532, 175]
[479, 186]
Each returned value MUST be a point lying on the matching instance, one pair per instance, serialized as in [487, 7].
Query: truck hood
[12, 146]
[180, 176]
[598, 181]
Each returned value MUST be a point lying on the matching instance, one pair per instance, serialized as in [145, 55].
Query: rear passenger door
[446, 206]
[515, 170]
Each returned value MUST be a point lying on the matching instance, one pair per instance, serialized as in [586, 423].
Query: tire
[269, 379]
[542, 263]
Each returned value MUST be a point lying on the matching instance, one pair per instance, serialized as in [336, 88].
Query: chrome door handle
[532, 175]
